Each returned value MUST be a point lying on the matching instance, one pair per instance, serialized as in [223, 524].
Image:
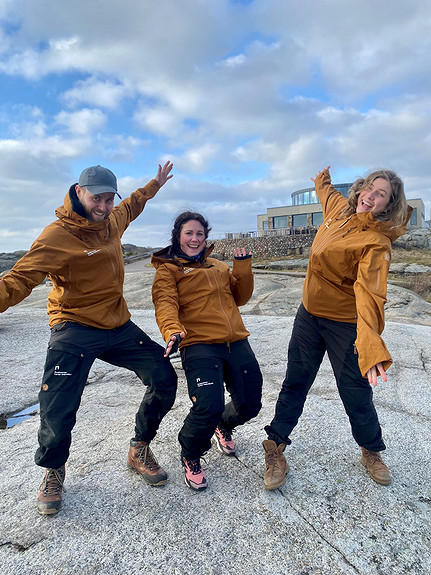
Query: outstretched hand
[321, 172]
[163, 173]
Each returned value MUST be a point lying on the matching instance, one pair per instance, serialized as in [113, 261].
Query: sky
[248, 98]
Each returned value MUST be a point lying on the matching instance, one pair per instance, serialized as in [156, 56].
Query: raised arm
[329, 197]
[241, 277]
[130, 208]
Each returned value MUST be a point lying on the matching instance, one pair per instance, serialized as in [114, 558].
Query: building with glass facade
[304, 216]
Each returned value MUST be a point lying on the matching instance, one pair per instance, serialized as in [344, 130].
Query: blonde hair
[395, 211]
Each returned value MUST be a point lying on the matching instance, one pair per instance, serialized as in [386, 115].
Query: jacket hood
[165, 255]
[387, 228]
[67, 214]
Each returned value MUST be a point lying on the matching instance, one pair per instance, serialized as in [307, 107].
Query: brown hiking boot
[49, 498]
[142, 460]
[378, 471]
[276, 464]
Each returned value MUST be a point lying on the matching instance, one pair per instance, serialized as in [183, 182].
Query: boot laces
[194, 465]
[147, 457]
[374, 457]
[227, 435]
[53, 482]
[273, 458]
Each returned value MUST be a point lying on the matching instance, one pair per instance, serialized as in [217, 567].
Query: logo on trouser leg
[57, 371]
[200, 383]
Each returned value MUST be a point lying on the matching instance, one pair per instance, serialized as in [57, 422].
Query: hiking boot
[224, 440]
[193, 474]
[378, 471]
[49, 497]
[276, 464]
[141, 459]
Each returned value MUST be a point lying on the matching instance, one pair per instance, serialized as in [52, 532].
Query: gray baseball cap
[98, 180]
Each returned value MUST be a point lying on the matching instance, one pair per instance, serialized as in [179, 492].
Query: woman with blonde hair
[342, 313]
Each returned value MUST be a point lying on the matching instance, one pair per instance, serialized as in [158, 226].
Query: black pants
[72, 350]
[311, 337]
[206, 367]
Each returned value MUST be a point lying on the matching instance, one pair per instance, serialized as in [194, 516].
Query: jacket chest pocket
[195, 285]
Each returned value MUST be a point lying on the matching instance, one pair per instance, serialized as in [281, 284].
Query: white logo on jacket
[91, 253]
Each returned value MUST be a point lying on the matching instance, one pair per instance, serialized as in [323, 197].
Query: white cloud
[197, 159]
[249, 101]
[82, 123]
[235, 61]
[104, 94]
[159, 120]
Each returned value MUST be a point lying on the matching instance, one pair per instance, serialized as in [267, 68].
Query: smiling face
[192, 238]
[375, 198]
[96, 206]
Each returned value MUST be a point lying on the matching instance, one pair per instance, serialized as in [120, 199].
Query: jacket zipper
[220, 300]
[111, 248]
[329, 238]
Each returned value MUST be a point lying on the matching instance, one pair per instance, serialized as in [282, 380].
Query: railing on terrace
[290, 231]
[296, 230]
[233, 236]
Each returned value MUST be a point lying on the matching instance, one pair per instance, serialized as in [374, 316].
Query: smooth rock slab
[328, 519]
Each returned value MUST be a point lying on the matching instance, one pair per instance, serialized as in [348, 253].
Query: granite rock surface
[329, 518]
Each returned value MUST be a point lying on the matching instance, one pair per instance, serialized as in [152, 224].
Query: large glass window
[309, 196]
[317, 218]
[299, 220]
[280, 222]
[343, 188]
[265, 224]
[304, 197]
[414, 218]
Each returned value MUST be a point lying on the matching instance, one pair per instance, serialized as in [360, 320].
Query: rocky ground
[328, 519]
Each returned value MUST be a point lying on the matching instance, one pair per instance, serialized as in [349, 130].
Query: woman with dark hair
[342, 313]
[196, 299]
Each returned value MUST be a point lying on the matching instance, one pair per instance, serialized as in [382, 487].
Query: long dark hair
[183, 219]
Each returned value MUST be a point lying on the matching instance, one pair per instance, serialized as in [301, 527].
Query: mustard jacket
[347, 272]
[83, 260]
[201, 298]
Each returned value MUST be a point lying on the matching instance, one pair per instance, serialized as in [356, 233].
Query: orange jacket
[83, 260]
[347, 272]
[201, 298]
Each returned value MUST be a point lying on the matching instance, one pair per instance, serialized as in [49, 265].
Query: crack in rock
[20, 547]
[304, 518]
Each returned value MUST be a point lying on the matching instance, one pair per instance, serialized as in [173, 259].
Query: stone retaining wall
[300, 244]
[266, 247]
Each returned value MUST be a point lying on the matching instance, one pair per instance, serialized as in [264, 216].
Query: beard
[89, 215]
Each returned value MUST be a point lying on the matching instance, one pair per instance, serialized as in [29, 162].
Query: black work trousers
[72, 350]
[206, 367]
[311, 337]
